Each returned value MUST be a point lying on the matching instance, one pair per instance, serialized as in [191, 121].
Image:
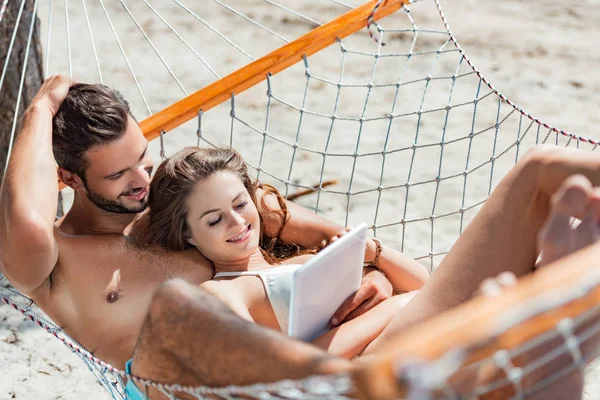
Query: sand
[542, 55]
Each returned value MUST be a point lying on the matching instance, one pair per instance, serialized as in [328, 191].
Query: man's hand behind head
[52, 93]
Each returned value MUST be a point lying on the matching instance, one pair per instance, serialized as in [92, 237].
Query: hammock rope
[417, 376]
[401, 153]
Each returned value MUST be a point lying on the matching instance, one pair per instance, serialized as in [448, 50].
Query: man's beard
[114, 206]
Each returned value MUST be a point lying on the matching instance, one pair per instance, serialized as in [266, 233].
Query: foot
[576, 198]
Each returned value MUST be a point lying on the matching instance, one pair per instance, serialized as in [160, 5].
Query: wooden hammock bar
[274, 62]
[220, 91]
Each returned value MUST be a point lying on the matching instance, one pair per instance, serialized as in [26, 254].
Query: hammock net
[392, 125]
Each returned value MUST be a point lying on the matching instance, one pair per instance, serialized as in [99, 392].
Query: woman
[204, 198]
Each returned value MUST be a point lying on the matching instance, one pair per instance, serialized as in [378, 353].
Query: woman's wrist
[370, 250]
[372, 260]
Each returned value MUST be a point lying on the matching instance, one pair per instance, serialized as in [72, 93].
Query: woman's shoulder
[213, 286]
[226, 290]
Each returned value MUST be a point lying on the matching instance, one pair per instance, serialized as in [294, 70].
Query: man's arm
[28, 197]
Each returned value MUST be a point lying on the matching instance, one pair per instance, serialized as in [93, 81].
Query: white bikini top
[278, 286]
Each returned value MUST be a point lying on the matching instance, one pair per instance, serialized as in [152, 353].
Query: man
[86, 270]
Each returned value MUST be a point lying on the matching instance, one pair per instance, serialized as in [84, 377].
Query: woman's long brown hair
[175, 180]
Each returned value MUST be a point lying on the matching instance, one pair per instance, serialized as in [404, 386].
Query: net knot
[515, 374]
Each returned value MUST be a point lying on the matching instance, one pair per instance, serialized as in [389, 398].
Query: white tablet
[321, 285]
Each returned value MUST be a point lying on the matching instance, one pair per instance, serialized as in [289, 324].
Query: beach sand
[542, 55]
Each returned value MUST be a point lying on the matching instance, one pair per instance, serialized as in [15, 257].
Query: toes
[572, 199]
[588, 231]
[594, 206]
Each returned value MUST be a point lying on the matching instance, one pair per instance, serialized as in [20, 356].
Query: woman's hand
[374, 289]
[335, 237]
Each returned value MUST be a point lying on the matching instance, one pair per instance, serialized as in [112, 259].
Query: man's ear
[70, 179]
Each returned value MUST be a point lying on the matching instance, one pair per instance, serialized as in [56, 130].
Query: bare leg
[192, 338]
[503, 235]
[557, 239]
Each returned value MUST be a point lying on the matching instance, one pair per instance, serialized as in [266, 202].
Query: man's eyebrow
[125, 169]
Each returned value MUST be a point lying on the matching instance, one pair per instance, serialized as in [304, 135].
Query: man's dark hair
[90, 115]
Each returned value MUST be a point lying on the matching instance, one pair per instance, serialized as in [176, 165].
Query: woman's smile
[241, 237]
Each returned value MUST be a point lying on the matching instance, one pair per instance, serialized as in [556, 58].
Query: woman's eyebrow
[237, 197]
[217, 209]
[208, 212]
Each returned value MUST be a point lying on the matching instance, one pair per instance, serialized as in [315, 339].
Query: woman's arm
[351, 338]
[404, 273]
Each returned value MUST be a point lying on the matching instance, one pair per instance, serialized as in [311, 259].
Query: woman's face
[223, 221]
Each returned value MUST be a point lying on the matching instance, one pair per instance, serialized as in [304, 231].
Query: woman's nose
[236, 218]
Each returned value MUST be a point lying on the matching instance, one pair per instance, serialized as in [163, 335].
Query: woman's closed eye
[214, 222]
[237, 207]
[241, 205]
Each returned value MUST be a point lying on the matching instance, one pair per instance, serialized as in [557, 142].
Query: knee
[177, 300]
[537, 162]
[170, 297]
[543, 155]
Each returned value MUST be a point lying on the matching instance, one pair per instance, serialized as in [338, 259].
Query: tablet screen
[321, 285]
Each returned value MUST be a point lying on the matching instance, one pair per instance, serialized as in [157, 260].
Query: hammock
[383, 101]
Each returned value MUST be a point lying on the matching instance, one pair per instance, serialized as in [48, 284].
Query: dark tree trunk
[34, 74]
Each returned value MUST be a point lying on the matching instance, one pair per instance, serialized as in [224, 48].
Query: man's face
[118, 177]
